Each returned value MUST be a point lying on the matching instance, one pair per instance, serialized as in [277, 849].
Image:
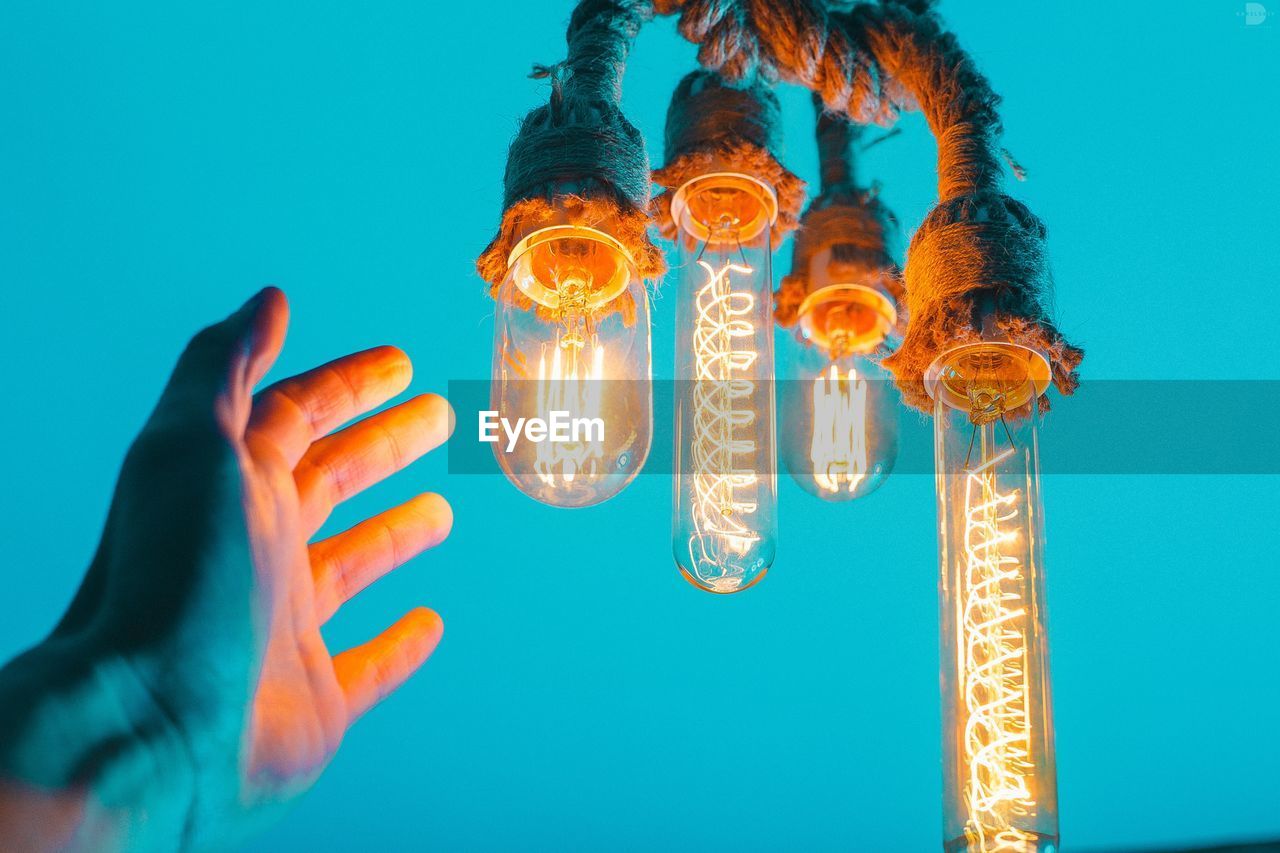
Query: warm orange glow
[997, 733]
[571, 382]
[721, 516]
[570, 268]
[724, 519]
[725, 208]
[838, 448]
[572, 342]
[1000, 780]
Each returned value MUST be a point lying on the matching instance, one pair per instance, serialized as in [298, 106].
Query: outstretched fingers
[297, 411]
[349, 461]
[369, 673]
[346, 563]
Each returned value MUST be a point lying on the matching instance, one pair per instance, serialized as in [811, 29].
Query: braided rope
[578, 158]
[712, 126]
[978, 249]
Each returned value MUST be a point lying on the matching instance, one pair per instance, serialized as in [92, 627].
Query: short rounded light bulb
[571, 351]
[839, 438]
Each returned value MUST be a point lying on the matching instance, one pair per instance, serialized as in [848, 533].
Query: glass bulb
[725, 504]
[840, 438]
[999, 782]
[571, 348]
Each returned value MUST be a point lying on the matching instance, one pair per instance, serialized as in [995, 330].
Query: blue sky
[161, 162]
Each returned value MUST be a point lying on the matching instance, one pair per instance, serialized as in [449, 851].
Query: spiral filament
[724, 518]
[723, 490]
[999, 773]
[997, 732]
[839, 446]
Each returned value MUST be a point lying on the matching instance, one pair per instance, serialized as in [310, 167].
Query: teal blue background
[159, 162]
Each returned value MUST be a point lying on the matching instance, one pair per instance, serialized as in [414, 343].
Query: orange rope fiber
[978, 260]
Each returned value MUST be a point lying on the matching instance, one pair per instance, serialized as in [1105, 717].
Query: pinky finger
[371, 672]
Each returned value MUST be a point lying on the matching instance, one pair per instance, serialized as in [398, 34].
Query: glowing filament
[571, 383]
[721, 412]
[839, 446]
[997, 731]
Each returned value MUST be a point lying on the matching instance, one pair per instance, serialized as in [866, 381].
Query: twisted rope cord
[578, 158]
[977, 247]
[713, 126]
[704, 112]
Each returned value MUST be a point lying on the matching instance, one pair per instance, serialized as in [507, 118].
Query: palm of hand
[205, 584]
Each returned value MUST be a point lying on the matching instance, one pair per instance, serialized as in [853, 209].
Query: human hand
[187, 694]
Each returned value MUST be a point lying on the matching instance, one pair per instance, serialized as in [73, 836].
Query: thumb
[212, 383]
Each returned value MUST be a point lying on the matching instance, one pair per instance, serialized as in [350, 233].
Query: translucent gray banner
[1130, 427]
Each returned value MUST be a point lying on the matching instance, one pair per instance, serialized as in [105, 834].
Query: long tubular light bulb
[999, 782]
[725, 502]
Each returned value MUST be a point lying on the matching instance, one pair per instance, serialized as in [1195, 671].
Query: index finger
[295, 412]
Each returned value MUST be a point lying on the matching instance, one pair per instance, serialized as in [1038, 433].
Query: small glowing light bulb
[571, 336]
[838, 447]
[839, 440]
[724, 522]
[999, 784]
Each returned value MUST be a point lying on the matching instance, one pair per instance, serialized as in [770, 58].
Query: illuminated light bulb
[999, 785]
[725, 514]
[838, 445]
[571, 336]
[840, 436]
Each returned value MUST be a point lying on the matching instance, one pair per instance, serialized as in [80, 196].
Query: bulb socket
[570, 267]
[847, 319]
[988, 379]
[722, 206]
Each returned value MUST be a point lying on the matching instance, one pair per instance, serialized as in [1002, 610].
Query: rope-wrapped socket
[568, 271]
[978, 261]
[839, 440]
[976, 268]
[844, 288]
[720, 139]
[578, 161]
[977, 272]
